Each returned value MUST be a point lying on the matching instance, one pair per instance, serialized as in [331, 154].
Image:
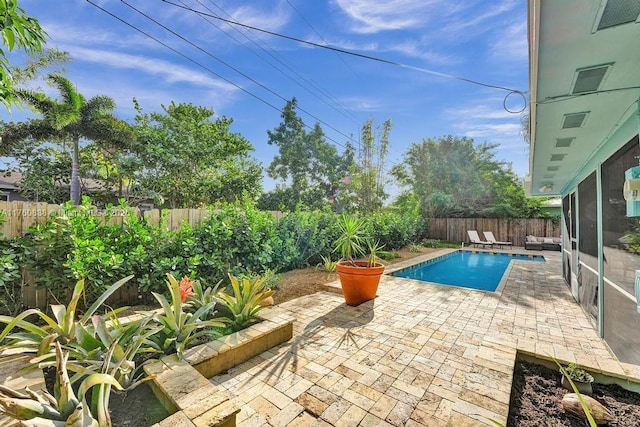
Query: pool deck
[418, 355]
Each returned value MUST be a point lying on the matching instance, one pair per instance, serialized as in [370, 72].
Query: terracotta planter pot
[360, 282]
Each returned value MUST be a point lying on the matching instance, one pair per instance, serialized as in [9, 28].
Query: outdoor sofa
[542, 243]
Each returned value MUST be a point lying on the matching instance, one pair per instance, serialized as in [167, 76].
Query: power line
[317, 95]
[235, 69]
[560, 98]
[348, 52]
[208, 69]
[319, 35]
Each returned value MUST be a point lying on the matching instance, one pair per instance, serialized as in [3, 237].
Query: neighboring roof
[8, 180]
[567, 51]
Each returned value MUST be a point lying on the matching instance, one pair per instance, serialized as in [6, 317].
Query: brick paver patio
[419, 355]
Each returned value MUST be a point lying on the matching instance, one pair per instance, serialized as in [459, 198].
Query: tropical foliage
[187, 159]
[66, 121]
[19, 31]
[455, 177]
[244, 302]
[310, 170]
[179, 327]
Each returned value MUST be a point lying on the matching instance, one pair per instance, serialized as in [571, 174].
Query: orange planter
[360, 282]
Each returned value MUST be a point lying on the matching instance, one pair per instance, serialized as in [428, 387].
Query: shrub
[394, 230]
[307, 237]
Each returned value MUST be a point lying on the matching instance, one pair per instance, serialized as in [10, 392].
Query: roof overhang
[584, 91]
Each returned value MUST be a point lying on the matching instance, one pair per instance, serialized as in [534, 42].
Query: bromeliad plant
[63, 408]
[244, 304]
[179, 327]
[202, 296]
[63, 327]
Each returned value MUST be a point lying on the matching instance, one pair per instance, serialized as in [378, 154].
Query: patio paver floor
[418, 355]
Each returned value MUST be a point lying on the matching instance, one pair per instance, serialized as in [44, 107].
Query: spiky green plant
[244, 304]
[179, 327]
[353, 237]
[327, 264]
[63, 327]
[63, 408]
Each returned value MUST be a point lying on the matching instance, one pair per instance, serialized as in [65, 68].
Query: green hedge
[236, 238]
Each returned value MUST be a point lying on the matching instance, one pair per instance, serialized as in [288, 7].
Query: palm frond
[68, 92]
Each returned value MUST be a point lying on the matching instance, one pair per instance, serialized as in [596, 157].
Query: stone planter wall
[183, 388]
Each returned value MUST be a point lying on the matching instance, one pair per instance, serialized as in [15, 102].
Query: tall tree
[452, 176]
[66, 121]
[310, 169]
[190, 160]
[21, 31]
[368, 177]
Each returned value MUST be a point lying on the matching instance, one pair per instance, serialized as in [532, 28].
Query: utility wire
[208, 69]
[348, 52]
[317, 95]
[320, 35]
[560, 98]
[236, 70]
[275, 54]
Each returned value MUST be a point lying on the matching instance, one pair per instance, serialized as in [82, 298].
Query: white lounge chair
[490, 238]
[475, 239]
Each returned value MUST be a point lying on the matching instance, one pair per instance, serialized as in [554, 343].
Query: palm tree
[67, 120]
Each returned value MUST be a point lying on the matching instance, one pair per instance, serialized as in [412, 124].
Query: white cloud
[362, 104]
[270, 17]
[77, 35]
[170, 72]
[374, 15]
[512, 42]
[484, 130]
[483, 112]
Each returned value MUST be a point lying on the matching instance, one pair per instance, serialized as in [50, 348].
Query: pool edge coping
[445, 252]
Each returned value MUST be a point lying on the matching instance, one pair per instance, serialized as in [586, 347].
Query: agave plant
[65, 409]
[63, 327]
[179, 327]
[327, 264]
[107, 346]
[244, 304]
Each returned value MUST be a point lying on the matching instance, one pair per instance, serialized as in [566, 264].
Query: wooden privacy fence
[515, 230]
[19, 216]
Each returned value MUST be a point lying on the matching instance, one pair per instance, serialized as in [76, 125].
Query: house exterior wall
[9, 195]
[601, 255]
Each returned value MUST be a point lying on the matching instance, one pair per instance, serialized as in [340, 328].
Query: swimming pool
[475, 270]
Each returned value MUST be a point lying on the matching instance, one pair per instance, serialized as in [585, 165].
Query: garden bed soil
[536, 394]
[136, 408]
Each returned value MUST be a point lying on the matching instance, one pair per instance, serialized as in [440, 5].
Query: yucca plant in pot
[359, 278]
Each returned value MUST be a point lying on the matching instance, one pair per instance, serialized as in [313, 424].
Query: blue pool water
[475, 270]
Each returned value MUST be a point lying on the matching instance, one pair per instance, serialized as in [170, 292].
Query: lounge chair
[475, 239]
[491, 238]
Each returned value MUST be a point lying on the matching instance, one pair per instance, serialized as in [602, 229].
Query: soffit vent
[618, 12]
[553, 168]
[589, 79]
[564, 142]
[557, 157]
[575, 120]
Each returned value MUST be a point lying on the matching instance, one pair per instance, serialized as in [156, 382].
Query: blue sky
[479, 40]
